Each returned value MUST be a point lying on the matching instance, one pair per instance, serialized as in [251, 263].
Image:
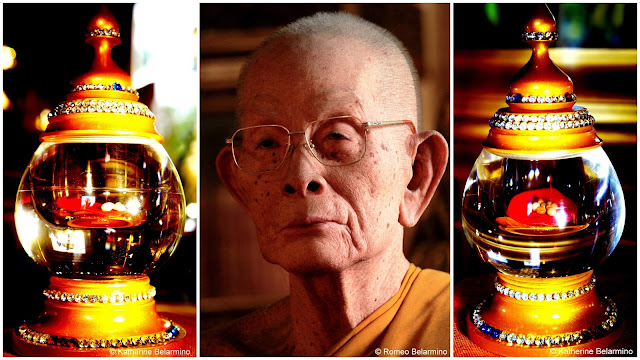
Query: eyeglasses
[335, 141]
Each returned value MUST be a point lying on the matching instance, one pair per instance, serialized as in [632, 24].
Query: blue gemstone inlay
[117, 86]
[495, 333]
[516, 98]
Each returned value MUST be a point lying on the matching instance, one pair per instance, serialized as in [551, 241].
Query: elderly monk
[329, 166]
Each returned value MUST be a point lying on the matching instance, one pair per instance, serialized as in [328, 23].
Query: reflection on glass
[100, 209]
[543, 218]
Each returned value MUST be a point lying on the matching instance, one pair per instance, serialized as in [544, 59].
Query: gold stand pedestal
[99, 318]
[543, 325]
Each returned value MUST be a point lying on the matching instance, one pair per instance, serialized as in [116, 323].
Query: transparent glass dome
[100, 207]
[541, 217]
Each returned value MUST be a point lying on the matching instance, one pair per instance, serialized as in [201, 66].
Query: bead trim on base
[103, 298]
[158, 338]
[503, 290]
[531, 340]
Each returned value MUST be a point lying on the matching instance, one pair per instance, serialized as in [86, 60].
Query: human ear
[429, 163]
[227, 171]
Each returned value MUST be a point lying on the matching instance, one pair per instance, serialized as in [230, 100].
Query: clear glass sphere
[537, 217]
[100, 207]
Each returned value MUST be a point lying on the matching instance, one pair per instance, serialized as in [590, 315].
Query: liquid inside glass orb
[543, 217]
[99, 209]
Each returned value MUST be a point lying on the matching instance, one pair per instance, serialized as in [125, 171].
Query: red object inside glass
[522, 208]
[87, 213]
[76, 204]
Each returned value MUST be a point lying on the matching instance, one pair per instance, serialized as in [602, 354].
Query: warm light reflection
[6, 103]
[42, 121]
[190, 225]
[192, 210]
[133, 206]
[8, 58]
[27, 228]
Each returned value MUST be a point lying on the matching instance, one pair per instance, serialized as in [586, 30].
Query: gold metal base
[556, 318]
[110, 319]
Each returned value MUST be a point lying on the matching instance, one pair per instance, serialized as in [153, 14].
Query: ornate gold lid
[541, 116]
[102, 102]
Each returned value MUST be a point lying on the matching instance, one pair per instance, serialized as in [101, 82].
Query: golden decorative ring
[526, 340]
[103, 298]
[158, 338]
[102, 106]
[570, 294]
[103, 32]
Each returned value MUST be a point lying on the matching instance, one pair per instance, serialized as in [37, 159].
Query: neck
[327, 306]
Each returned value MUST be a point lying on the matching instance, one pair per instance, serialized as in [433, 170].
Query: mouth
[309, 223]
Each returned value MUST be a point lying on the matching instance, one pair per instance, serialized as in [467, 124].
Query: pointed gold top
[541, 116]
[540, 84]
[102, 101]
[542, 22]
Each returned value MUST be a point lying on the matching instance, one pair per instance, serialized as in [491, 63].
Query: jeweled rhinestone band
[541, 36]
[524, 296]
[103, 32]
[532, 99]
[551, 121]
[101, 299]
[570, 338]
[158, 338]
[114, 86]
[102, 106]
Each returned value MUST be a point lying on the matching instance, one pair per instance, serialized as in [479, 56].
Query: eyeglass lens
[334, 142]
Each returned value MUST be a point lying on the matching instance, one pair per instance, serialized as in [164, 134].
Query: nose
[303, 177]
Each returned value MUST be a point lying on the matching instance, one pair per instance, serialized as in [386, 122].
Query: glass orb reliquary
[544, 206]
[100, 206]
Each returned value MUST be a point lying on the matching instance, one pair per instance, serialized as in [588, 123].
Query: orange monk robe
[415, 321]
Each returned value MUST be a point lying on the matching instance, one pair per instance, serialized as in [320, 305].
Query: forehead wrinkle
[262, 108]
[336, 102]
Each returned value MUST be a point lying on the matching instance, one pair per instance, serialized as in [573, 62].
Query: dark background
[499, 26]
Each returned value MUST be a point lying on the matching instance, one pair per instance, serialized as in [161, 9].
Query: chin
[308, 255]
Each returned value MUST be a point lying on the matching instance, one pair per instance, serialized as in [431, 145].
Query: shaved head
[393, 75]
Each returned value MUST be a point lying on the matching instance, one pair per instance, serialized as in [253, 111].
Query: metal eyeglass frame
[309, 146]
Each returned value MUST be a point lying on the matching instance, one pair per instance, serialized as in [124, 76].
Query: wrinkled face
[312, 217]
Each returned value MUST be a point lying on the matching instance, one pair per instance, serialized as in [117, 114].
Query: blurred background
[235, 279]
[43, 50]
[597, 49]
